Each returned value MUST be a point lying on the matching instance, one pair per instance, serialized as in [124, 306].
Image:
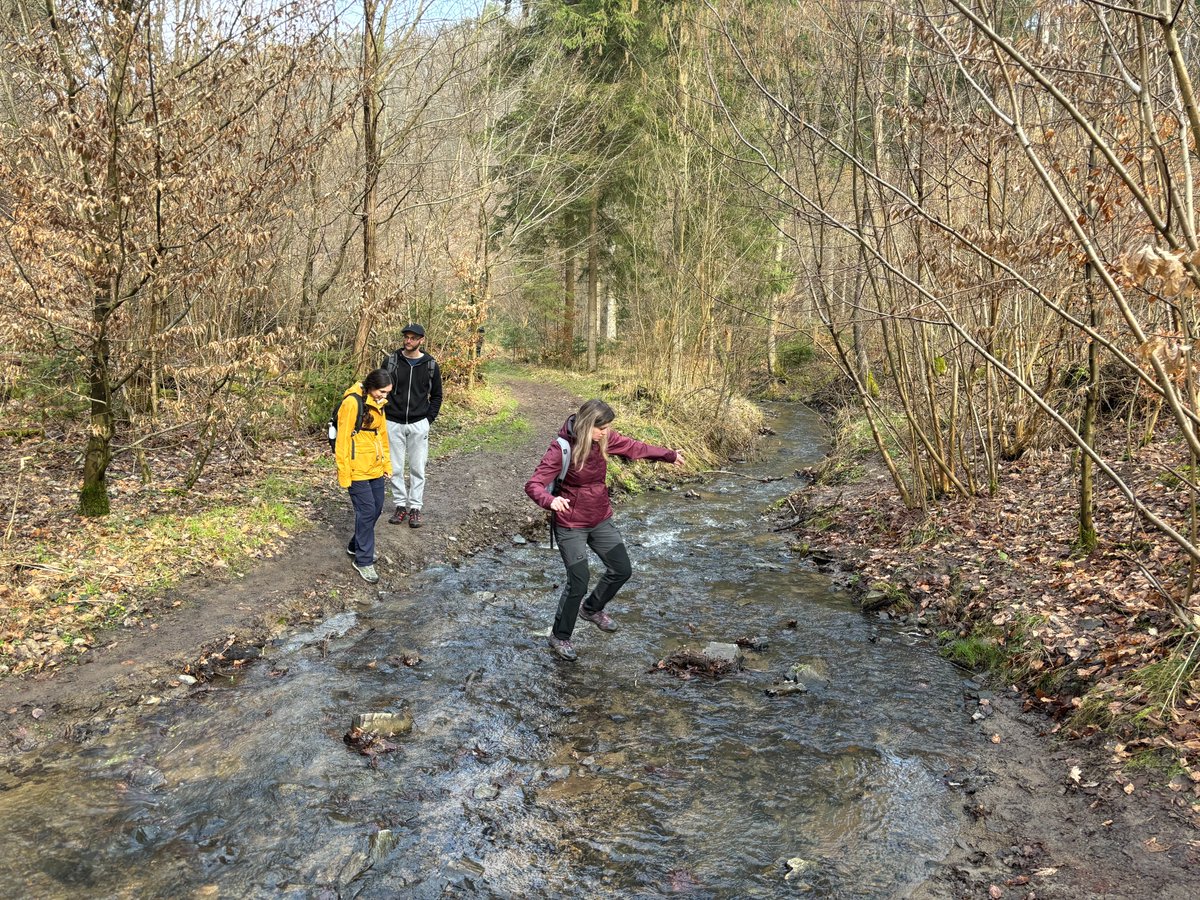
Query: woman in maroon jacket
[582, 515]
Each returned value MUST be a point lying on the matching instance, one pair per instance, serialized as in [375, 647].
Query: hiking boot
[601, 619]
[564, 649]
[353, 554]
[398, 516]
[414, 518]
[370, 576]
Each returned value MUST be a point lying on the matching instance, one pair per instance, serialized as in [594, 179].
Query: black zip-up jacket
[416, 389]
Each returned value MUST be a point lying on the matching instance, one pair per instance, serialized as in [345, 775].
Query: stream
[526, 776]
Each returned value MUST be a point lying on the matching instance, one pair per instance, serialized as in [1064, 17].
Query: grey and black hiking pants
[573, 544]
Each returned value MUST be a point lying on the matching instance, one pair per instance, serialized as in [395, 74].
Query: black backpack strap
[362, 411]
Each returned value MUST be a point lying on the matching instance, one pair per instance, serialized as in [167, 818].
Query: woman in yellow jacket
[364, 463]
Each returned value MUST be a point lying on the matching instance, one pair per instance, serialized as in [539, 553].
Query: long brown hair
[593, 414]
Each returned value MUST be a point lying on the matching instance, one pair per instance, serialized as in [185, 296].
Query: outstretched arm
[620, 445]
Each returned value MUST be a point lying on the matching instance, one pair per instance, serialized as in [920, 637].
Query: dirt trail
[472, 500]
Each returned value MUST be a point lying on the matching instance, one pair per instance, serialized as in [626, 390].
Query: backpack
[358, 420]
[556, 484]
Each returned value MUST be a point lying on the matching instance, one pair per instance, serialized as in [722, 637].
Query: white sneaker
[368, 573]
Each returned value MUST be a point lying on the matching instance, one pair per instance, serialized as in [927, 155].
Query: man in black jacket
[412, 406]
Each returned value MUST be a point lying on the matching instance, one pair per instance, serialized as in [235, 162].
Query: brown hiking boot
[398, 516]
[414, 518]
[564, 649]
[601, 619]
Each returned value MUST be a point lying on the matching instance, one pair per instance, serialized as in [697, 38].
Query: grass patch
[1159, 764]
[104, 573]
[486, 421]
[974, 652]
[1014, 652]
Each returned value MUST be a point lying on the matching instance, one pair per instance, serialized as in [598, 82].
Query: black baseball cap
[413, 328]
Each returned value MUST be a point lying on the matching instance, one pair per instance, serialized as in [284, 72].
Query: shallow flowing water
[525, 775]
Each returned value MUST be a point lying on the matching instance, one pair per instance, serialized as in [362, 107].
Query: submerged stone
[383, 842]
[788, 687]
[385, 723]
[486, 792]
[797, 866]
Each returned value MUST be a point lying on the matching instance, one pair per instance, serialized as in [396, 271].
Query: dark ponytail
[380, 378]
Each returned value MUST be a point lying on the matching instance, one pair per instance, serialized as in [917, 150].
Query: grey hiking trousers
[573, 543]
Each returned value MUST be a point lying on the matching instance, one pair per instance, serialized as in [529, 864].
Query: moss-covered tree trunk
[93, 496]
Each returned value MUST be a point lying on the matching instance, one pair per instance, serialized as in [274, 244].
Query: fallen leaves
[1080, 636]
[686, 664]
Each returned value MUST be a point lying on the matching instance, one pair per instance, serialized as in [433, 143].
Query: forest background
[968, 228]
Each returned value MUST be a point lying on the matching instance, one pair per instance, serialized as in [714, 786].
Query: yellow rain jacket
[364, 454]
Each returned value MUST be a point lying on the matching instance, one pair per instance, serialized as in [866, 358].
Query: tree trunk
[371, 156]
[93, 497]
[593, 304]
[567, 338]
[1087, 428]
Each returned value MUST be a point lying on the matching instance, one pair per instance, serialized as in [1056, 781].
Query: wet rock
[796, 867]
[147, 835]
[808, 672]
[239, 652]
[483, 596]
[558, 773]
[145, 777]
[486, 792]
[384, 723]
[335, 626]
[519, 539]
[369, 732]
[382, 843]
[786, 688]
[352, 868]
[874, 601]
[718, 652]
[757, 642]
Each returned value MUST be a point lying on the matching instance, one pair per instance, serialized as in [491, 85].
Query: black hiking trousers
[573, 543]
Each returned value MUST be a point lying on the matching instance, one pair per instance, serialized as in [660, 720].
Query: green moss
[1158, 764]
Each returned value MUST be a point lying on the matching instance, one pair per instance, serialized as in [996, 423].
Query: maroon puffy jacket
[586, 488]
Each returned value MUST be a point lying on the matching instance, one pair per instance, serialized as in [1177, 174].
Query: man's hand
[678, 459]
[558, 504]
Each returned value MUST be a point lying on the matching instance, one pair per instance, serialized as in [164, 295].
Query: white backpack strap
[566, 458]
